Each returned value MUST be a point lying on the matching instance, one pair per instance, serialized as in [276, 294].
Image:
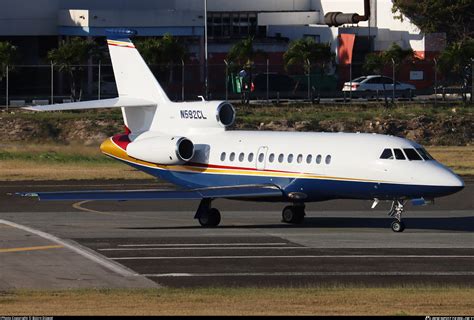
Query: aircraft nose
[452, 181]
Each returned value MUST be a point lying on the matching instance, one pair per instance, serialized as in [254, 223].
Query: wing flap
[247, 191]
[96, 104]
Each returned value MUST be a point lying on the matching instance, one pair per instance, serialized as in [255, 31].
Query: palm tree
[8, 53]
[455, 60]
[376, 62]
[166, 52]
[308, 53]
[242, 56]
[71, 57]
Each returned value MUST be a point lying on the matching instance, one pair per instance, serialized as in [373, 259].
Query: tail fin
[140, 94]
[133, 77]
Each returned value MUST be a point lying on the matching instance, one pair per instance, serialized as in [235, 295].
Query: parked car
[371, 86]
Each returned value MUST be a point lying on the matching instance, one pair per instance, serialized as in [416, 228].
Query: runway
[149, 244]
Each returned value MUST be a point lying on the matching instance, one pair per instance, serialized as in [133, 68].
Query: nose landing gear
[396, 211]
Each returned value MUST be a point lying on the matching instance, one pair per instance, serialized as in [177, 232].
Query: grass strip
[344, 300]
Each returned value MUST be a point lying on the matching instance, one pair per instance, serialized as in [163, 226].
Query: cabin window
[290, 158]
[223, 156]
[250, 158]
[328, 159]
[232, 156]
[318, 159]
[271, 158]
[399, 154]
[424, 154]
[281, 157]
[387, 154]
[241, 157]
[261, 157]
[412, 155]
[300, 158]
[309, 159]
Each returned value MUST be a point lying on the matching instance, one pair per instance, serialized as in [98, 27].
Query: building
[36, 26]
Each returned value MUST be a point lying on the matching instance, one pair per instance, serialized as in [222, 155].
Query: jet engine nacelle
[169, 150]
[185, 116]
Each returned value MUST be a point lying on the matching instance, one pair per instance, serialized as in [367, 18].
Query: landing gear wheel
[398, 226]
[210, 218]
[293, 214]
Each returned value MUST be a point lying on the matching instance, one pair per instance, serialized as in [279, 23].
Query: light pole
[206, 83]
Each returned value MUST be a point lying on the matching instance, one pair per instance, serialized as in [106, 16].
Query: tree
[8, 53]
[308, 53]
[455, 61]
[395, 56]
[242, 55]
[455, 18]
[376, 62]
[70, 57]
[165, 52]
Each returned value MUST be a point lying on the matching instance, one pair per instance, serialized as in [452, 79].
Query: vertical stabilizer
[132, 75]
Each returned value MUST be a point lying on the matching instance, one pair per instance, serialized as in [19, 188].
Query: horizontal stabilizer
[95, 104]
[245, 191]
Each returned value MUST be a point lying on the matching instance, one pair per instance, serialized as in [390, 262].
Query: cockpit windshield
[424, 154]
[412, 155]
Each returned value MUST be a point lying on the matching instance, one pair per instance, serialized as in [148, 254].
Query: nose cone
[456, 182]
[450, 182]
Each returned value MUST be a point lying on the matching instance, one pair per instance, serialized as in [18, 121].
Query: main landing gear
[396, 211]
[293, 214]
[207, 216]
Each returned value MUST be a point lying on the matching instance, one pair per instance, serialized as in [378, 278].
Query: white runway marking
[273, 274]
[106, 263]
[203, 244]
[201, 248]
[302, 257]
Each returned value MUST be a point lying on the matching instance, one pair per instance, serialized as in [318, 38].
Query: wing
[244, 191]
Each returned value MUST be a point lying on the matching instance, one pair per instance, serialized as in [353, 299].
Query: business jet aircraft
[189, 145]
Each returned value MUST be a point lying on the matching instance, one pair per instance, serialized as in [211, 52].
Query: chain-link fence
[44, 84]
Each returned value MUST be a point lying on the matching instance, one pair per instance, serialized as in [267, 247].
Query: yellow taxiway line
[30, 248]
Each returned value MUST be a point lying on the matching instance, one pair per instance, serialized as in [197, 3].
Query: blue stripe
[315, 189]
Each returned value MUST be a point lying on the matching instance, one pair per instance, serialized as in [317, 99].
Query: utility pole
[206, 71]
[393, 76]
[436, 80]
[7, 87]
[52, 82]
[472, 79]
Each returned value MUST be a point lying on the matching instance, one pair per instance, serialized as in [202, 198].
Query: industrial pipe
[336, 19]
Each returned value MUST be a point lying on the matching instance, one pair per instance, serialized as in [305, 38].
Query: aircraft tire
[211, 218]
[292, 214]
[398, 226]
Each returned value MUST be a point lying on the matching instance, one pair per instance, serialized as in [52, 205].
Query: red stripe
[122, 45]
[215, 166]
[121, 140]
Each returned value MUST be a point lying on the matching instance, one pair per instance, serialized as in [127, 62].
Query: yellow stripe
[30, 248]
[119, 43]
[110, 148]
